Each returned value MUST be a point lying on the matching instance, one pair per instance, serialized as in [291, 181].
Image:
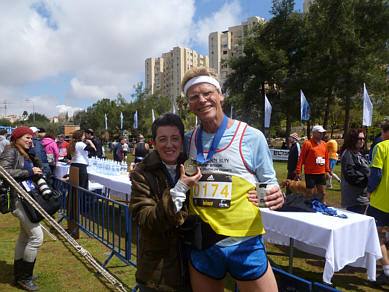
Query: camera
[43, 187]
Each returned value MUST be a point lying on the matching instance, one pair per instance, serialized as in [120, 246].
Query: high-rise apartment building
[223, 45]
[164, 74]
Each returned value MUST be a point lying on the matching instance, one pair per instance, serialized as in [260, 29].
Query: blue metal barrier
[99, 217]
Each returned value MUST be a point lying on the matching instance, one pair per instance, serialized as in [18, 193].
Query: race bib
[320, 160]
[213, 190]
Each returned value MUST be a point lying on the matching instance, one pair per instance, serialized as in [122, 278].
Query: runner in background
[140, 149]
[332, 146]
[62, 147]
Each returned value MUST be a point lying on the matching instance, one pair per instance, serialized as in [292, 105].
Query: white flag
[174, 108]
[232, 111]
[268, 109]
[152, 115]
[121, 120]
[136, 120]
[367, 108]
[196, 122]
[106, 122]
[305, 108]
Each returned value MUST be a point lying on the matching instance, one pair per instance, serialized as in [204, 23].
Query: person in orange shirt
[332, 146]
[314, 156]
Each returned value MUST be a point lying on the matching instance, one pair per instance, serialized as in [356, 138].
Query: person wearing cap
[89, 134]
[232, 158]
[62, 147]
[378, 193]
[41, 133]
[314, 157]
[22, 165]
[332, 146]
[39, 151]
[140, 149]
[293, 156]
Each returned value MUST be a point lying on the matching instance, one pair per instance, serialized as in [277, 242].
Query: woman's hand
[37, 170]
[189, 180]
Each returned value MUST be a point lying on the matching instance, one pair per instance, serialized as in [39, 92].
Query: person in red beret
[22, 166]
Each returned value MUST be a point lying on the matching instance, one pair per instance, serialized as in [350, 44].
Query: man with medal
[232, 158]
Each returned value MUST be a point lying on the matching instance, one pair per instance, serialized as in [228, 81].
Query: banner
[152, 115]
[305, 109]
[268, 109]
[367, 108]
[106, 122]
[121, 121]
[136, 120]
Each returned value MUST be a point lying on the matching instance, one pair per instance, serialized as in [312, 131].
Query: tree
[347, 45]
[37, 117]
[271, 65]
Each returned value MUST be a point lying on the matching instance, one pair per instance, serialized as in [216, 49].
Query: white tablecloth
[118, 186]
[352, 241]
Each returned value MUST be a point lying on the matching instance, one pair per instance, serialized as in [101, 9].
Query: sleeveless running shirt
[220, 197]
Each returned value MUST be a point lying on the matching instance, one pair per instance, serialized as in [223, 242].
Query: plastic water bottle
[123, 170]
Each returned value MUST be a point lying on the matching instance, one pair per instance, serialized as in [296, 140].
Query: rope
[111, 279]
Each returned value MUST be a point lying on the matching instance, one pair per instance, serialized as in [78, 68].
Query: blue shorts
[381, 218]
[246, 261]
[332, 163]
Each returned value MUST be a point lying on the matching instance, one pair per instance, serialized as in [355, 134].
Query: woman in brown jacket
[159, 187]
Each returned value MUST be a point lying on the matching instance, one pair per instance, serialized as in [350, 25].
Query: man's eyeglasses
[360, 139]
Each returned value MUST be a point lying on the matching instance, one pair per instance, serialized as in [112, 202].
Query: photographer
[22, 166]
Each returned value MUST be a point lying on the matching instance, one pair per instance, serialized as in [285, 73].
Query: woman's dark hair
[50, 135]
[76, 137]
[351, 139]
[167, 120]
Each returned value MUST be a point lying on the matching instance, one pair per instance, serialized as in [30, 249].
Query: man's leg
[265, 283]
[203, 283]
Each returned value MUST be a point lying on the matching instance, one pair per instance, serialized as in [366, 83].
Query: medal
[190, 166]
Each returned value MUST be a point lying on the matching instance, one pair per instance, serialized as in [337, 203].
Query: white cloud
[228, 15]
[63, 108]
[102, 45]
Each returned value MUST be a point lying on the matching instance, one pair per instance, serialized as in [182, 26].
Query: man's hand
[274, 198]
[252, 197]
[328, 175]
[298, 176]
[368, 194]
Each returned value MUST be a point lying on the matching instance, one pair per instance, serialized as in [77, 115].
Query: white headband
[202, 79]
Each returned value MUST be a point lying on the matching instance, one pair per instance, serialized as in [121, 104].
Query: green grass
[60, 268]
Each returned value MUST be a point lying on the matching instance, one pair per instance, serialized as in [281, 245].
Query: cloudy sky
[63, 55]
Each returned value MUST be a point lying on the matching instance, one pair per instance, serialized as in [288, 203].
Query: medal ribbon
[215, 142]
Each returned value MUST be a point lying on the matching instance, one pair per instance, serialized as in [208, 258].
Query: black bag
[299, 203]
[50, 205]
[196, 234]
[5, 202]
